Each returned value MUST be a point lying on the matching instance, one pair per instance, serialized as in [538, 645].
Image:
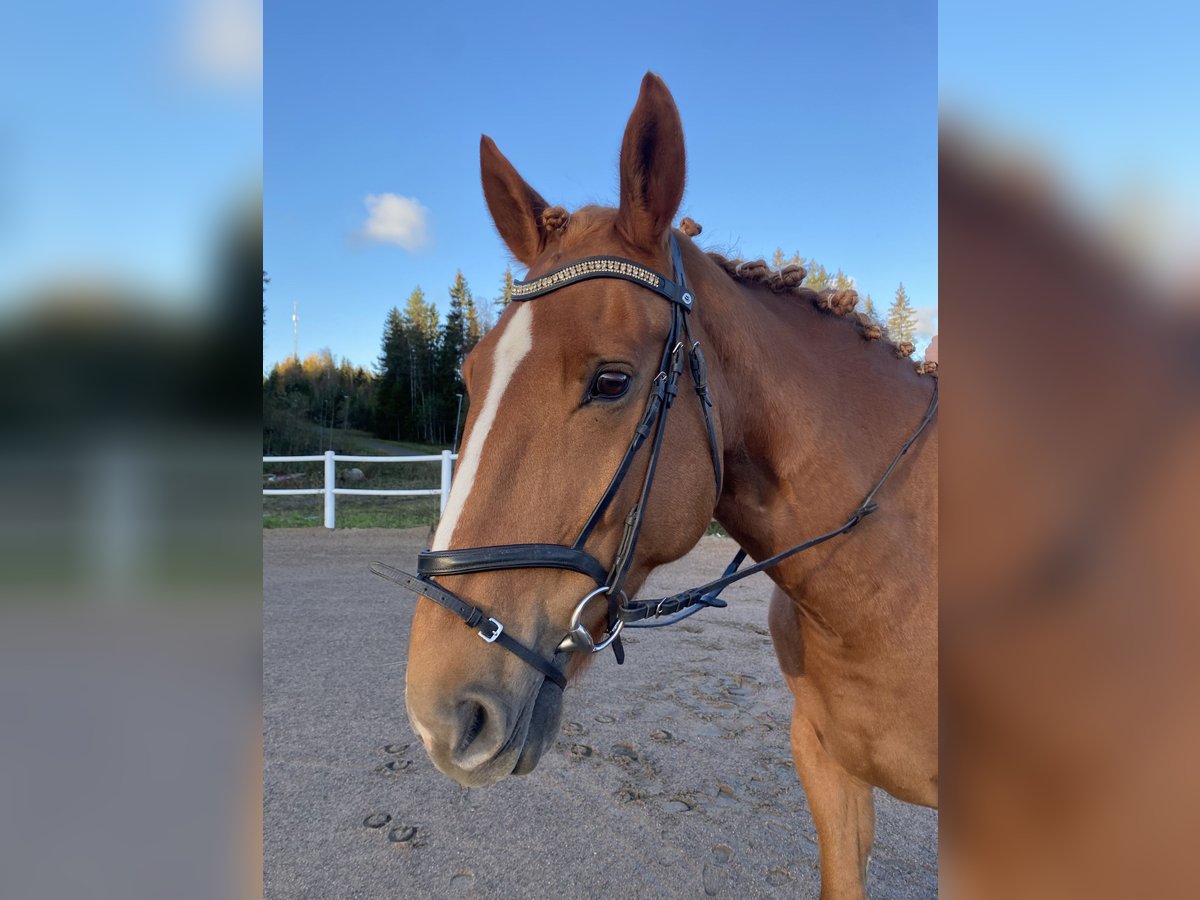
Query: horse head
[558, 389]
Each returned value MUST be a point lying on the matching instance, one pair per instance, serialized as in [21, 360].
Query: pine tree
[421, 317]
[475, 329]
[455, 345]
[506, 288]
[393, 335]
[778, 260]
[902, 318]
[455, 332]
[842, 281]
[393, 397]
[421, 329]
[817, 277]
[869, 308]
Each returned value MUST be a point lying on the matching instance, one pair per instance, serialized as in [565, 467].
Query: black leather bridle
[622, 612]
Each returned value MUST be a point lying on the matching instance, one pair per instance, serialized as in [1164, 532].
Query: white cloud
[927, 320]
[392, 219]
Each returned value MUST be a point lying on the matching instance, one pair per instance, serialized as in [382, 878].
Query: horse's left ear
[653, 166]
[516, 208]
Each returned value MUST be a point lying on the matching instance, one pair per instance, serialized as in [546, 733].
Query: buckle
[495, 634]
[659, 611]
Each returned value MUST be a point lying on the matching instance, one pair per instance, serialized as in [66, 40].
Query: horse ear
[653, 166]
[516, 208]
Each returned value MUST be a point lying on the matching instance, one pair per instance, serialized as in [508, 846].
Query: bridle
[679, 344]
[622, 612]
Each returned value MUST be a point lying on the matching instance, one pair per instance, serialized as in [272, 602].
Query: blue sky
[1105, 89]
[1102, 95]
[811, 127]
[129, 139]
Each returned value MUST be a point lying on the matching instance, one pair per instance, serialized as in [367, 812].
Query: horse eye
[610, 385]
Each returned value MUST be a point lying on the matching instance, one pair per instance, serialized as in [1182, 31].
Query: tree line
[418, 387]
[414, 392]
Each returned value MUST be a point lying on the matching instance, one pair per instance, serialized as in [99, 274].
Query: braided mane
[789, 280]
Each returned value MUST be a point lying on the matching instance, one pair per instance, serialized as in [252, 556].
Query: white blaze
[423, 733]
[514, 344]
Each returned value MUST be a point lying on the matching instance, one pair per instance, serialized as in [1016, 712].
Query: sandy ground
[672, 776]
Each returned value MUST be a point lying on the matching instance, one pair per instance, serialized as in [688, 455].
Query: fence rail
[331, 490]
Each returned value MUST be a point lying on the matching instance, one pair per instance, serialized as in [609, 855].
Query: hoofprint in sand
[671, 777]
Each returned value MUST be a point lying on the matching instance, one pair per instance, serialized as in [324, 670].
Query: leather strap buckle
[499, 630]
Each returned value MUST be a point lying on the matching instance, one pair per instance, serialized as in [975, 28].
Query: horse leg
[843, 810]
[842, 806]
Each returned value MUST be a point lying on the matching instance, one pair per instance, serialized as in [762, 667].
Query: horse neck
[811, 413]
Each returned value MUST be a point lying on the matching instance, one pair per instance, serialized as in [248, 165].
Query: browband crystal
[591, 267]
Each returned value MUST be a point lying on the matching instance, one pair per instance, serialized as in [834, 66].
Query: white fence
[331, 490]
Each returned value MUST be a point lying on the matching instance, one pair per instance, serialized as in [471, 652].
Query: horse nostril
[477, 716]
[481, 734]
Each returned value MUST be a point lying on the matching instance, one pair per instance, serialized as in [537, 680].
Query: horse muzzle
[478, 739]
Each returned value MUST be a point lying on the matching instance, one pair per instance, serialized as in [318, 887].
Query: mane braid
[837, 302]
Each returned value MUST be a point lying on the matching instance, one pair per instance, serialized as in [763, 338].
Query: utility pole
[296, 330]
[412, 385]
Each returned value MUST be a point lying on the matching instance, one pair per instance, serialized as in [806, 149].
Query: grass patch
[366, 512]
[354, 441]
[307, 511]
[351, 512]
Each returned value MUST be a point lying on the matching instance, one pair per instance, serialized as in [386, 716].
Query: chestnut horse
[808, 411]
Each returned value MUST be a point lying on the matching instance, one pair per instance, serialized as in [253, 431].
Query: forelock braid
[555, 218]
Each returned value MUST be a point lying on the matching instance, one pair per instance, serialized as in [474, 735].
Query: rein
[685, 603]
[621, 610]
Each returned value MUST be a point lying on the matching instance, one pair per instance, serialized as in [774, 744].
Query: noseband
[621, 612]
